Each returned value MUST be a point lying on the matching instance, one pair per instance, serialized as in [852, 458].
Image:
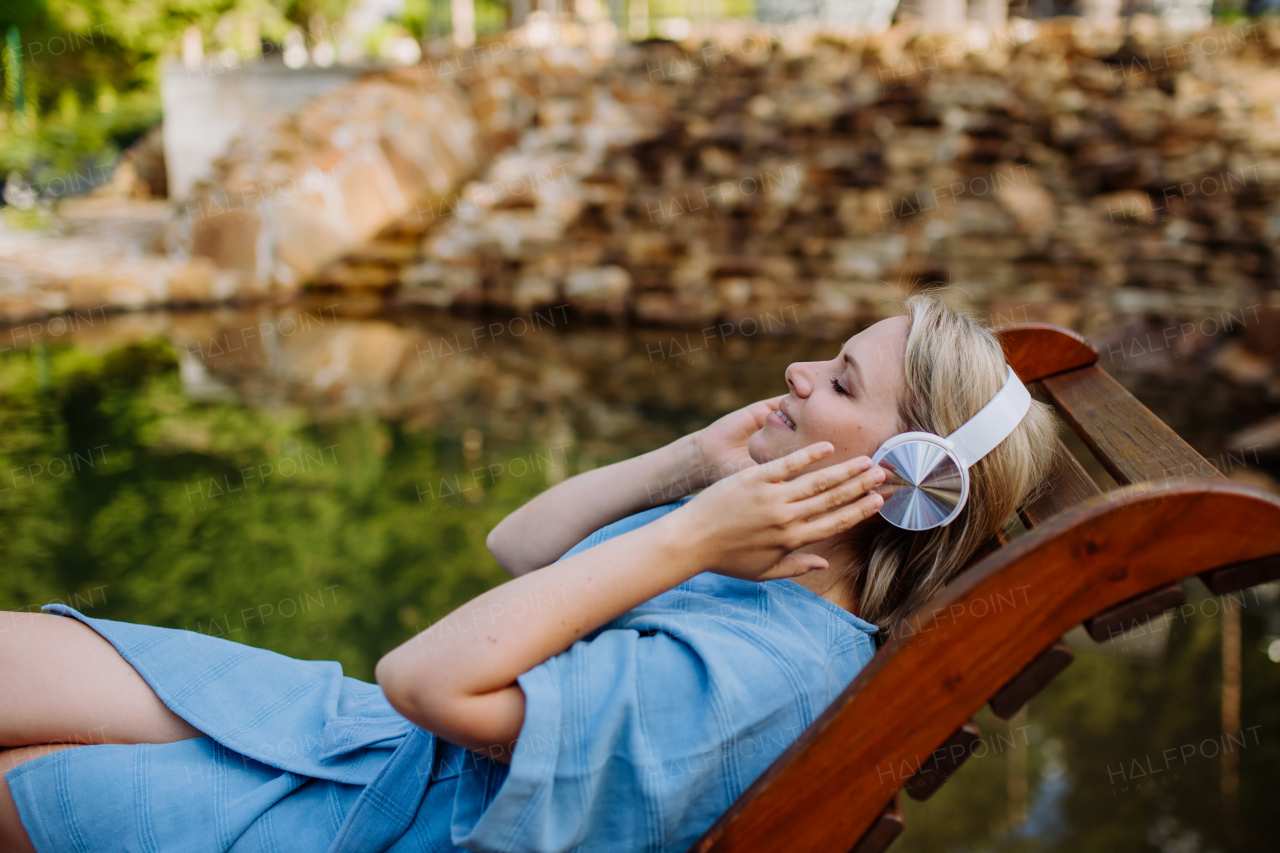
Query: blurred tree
[334, 541]
[106, 53]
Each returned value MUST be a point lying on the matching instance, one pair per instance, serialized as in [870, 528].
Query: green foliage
[104, 57]
[336, 541]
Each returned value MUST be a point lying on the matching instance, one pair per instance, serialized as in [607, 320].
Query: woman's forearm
[542, 530]
[458, 677]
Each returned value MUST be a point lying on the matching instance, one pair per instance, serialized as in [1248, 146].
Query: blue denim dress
[636, 738]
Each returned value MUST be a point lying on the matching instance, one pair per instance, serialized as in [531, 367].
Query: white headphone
[927, 476]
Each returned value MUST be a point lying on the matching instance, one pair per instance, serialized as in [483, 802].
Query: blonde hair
[953, 367]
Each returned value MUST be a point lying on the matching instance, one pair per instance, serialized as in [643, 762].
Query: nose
[798, 378]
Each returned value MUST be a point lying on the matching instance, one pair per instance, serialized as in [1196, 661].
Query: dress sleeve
[632, 742]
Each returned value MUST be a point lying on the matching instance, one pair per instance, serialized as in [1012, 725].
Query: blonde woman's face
[850, 401]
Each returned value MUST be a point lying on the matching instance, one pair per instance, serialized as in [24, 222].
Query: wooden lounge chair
[1109, 561]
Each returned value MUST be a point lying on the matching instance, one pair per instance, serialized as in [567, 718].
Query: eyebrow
[857, 369]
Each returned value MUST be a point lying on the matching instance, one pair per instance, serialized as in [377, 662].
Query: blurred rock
[1080, 176]
[1240, 365]
[1263, 436]
[140, 171]
[601, 288]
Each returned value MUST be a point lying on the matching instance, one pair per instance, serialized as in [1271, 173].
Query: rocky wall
[1059, 171]
[1073, 175]
[290, 196]
[1063, 172]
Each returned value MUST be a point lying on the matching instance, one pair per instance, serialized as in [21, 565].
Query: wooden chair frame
[994, 634]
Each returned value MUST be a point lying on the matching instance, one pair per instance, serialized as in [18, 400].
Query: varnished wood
[884, 831]
[1113, 622]
[1087, 557]
[1131, 443]
[1240, 576]
[1069, 484]
[823, 792]
[1037, 350]
[1028, 683]
[940, 764]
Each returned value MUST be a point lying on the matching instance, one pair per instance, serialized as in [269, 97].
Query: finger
[772, 402]
[780, 469]
[760, 411]
[817, 482]
[840, 520]
[793, 565]
[839, 495]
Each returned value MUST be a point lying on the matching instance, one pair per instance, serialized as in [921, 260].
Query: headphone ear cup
[925, 487]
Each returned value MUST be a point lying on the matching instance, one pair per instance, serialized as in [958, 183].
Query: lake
[319, 480]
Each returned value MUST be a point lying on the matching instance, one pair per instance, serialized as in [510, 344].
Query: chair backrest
[994, 634]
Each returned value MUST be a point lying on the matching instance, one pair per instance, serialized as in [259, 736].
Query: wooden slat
[1024, 686]
[1238, 576]
[1037, 350]
[1131, 443]
[807, 800]
[884, 831]
[1070, 485]
[824, 792]
[1111, 623]
[939, 766]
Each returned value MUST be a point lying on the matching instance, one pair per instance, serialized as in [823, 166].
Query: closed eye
[839, 389]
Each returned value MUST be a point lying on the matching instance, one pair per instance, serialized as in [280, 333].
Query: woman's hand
[723, 444]
[749, 524]
[459, 680]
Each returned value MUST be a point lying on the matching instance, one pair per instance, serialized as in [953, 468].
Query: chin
[762, 450]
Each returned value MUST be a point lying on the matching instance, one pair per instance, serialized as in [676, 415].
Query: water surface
[321, 484]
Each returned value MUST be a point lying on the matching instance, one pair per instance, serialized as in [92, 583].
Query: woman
[618, 694]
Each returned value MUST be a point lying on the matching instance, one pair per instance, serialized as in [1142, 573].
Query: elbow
[434, 709]
[495, 543]
[396, 688]
[382, 673]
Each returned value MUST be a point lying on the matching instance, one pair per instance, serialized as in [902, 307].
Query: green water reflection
[238, 500]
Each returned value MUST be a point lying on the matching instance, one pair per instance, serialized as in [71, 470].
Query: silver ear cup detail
[923, 485]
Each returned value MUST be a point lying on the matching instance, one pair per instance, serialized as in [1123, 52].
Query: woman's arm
[747, 526]
[542, 530]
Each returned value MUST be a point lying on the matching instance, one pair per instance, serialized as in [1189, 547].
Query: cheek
[822, 424]
[850, 437]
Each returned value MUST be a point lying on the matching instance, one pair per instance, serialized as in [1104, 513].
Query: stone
[599, 289]
[1262, 436]
[1240, 365]
[1049, 174]
[193, 284]
[1032, 205]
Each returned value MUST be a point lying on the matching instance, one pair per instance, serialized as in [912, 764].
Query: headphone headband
[993, 423]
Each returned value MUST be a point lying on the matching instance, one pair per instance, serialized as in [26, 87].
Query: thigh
[64, 683]
[12, 835]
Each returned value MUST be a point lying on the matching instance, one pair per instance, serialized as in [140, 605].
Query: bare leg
[64, 684]
[13, 837]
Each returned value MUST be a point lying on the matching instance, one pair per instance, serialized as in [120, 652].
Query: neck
[829, 583]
